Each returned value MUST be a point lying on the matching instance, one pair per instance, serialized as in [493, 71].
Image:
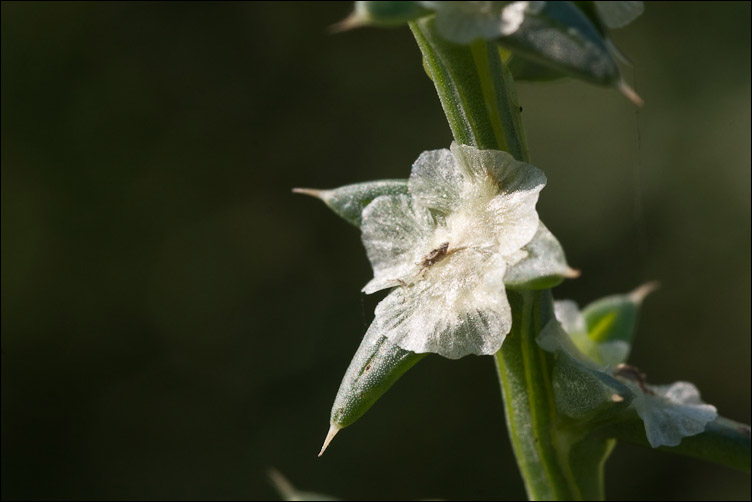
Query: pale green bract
[669, 412]
[446, 248]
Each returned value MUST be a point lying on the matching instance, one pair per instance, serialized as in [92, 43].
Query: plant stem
[558, 460]
[525, 376]
[723, 441]
[478, 96]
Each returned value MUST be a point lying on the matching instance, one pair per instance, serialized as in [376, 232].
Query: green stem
[558, 459]
[476, 91]
[525, 374]
[723, 442]
[479, 99]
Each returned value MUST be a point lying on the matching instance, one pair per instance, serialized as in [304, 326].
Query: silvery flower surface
[672, 412]
[463, 22]
[619, 14]
[669, 412]
[445, 248]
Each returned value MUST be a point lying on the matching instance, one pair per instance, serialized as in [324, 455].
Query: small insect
[520, 109]
[432, 258]
[435, 256]
[633, 373]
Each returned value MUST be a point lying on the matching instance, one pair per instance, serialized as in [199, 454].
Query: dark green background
[175, 321]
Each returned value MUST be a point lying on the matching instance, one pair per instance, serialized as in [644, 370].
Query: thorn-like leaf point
[641, 292]
[351, 22]
[629, 93]
[572, 273]
[333, 430]
[283, 486]
[319, 194]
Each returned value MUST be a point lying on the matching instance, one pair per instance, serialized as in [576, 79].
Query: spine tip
[572, 273]
[641, 292]
[349, 23]
[333, 430]
[282, 485]
[630, 93]
[319, 194]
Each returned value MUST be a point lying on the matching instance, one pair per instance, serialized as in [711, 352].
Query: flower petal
[436, 181]
[619, 14]
[674, 412]
[396, 234]
[544, 266]
[463, 22]
[499, 205]
[568, 314]
[460, 308]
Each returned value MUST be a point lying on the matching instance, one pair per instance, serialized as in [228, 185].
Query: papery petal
[581, 388]
[508, 174]
[460, 308]
[674, 412]
[463, 22]
[436, 181]
[396, 233]
[543, 266]
[499, 207]
[619, 14]
[554, 339]
[568, 314]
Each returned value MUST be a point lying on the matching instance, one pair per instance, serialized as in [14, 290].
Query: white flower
[669, 412]
[446, 247]
[463, 22]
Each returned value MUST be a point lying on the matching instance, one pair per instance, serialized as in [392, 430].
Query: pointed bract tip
[351, 22]
[282, 485]
[572, 273]
[641, 292]
[319, 194]
[629, 93]
[333, 430]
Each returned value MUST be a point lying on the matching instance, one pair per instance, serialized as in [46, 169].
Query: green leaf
[614, 318]
[376, 366]
[584, 393]
[349, 201]
[476, 91]
[530, 71]
[545, 265]
[561, 37]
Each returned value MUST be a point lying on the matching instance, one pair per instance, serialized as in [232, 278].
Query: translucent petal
[553, 338]
[498, 208]
[509, 174]
[581, 388]
[674, 412]
[568, 314]
[463, 22]
[459, 308]
[396, 233]
[543, 266]
[613, 353]
[436, 181]
[619, 14]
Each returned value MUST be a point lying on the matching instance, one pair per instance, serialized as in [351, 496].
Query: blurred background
[175, 321]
